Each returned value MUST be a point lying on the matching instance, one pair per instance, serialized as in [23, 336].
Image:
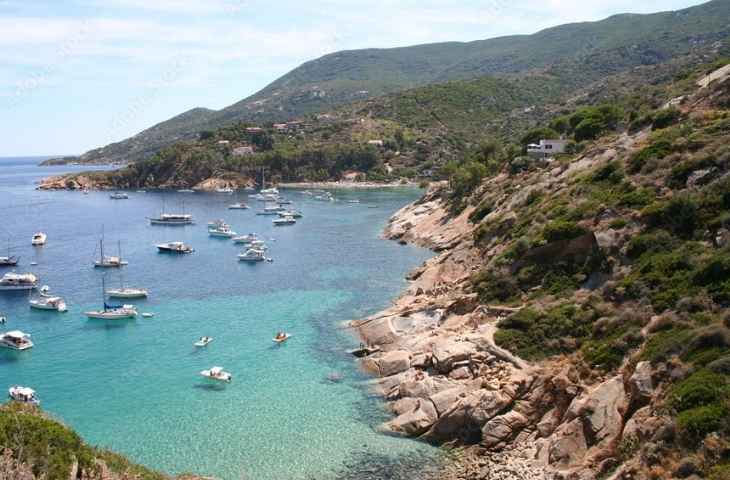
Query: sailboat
[174, 219]
[126, 292]
[9, 260]
[111, 312]
[109, 261]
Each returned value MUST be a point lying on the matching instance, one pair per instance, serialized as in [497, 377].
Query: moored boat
[221, 231]
[47, 302]
[245, 238]
[119, 196]
[172, 219]
[18, 281]
[111, 312]
[284, 220]
[252, 255]
[174, 247]
[39, 239]
[127, 292]
[106, 261]
[238, 206]
[218, 374]
[16, 340]
[9, 260]
[22, 394]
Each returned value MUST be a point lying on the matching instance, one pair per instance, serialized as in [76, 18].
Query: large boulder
[468, 415]
[445, 399]
[446, 353]
[389, 363]
[413, 422]
[601, 410]
[641, 385]
[567, 446]
[500, 429]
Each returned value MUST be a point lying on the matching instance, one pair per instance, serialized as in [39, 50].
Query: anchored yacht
[284, 220]
[106, 261]
[15, 340]
[47, 302]
[238, 206]
[174, 247]
[119, 196]
[252, 255]
[23, 395]
[18, 281]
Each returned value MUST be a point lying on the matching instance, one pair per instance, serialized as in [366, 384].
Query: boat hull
[118, 294]
[16, 287]
[170, 223]
[110, 315]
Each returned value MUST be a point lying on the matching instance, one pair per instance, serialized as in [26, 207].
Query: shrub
[648, 242]
[694, 424]
[701, 388]
[665, 117]
[658, 150]
[562, 230]
[482, 210]
[494, 286]
[678, 215]
[665, 343]
[618, 223]
[610, 172]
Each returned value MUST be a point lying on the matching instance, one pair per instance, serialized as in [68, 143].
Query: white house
[243, 150]
[547, 148]
[377, 143]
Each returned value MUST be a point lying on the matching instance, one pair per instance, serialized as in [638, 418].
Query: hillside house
[281, 127]
[254, 130]
[223, 142]
[377, 143]
[547, 148]
[351, 176]
[243, 151]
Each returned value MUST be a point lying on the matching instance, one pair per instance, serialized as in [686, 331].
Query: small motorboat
[186, 190]
[364, 350]
[284, 221]
[47, 302]
[281, 337]
[9, 261]
[119, 196]
[291, 213]
[238, 206]
[18, 281]
[271, 210]
[174, 247]
[217, 223]
[222, 231]
[127, 292]
[141, 191]
[39, 239]
[204, 341]
[22, 394]
[252, 255]
[148, 315]
[217, 374]
[174, 219]
[353, 201]
[251, 237]
[224, 190]
[16, 340]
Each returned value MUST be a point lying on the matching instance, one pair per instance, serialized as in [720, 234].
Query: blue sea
[134, 386]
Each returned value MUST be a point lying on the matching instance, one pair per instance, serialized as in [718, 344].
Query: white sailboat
[109, 261]
[126, 292]
[112, 312]
[9, 260]
[172, 219]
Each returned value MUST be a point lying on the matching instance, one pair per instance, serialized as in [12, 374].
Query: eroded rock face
[388, 363]
[447, 352]
[415, 421]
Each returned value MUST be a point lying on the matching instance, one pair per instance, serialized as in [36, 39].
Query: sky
[79, 74]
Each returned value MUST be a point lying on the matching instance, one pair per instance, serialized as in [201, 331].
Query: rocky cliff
[572, 324]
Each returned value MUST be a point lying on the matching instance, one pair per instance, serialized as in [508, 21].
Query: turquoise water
[133, 386]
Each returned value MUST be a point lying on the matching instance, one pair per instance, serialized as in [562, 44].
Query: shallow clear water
[133, 386]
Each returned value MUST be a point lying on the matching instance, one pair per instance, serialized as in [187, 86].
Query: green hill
[574, 54]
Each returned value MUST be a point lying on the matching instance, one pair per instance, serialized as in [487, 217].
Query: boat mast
[103, 291]
[119, 248]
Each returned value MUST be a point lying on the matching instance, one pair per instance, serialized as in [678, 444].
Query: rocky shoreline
[447, 382]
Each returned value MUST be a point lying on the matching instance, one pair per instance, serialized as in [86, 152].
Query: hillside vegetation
[574, 55]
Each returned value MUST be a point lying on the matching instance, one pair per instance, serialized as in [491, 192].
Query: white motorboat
[127, 292]
[238, 206]
[284, 220]
[111, 312]
[204, 341]
[174, 247]
[15, 340]
[222, 231]
[271, 209]
[39, 239]
[141, 191]
[252, 255]
[256, 196]
[257, 245]
[270, 191]
[224, 190]
[186, 190]
[47, 302]
[281, 337]
[18, 281]
[291, 213]
[218, 374]
[23, 395]
[119, 196]
[217, 223]
[245, 238]
[148, 315]
[106, 261]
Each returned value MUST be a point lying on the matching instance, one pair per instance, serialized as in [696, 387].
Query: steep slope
[575, 318]
[575, 54]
